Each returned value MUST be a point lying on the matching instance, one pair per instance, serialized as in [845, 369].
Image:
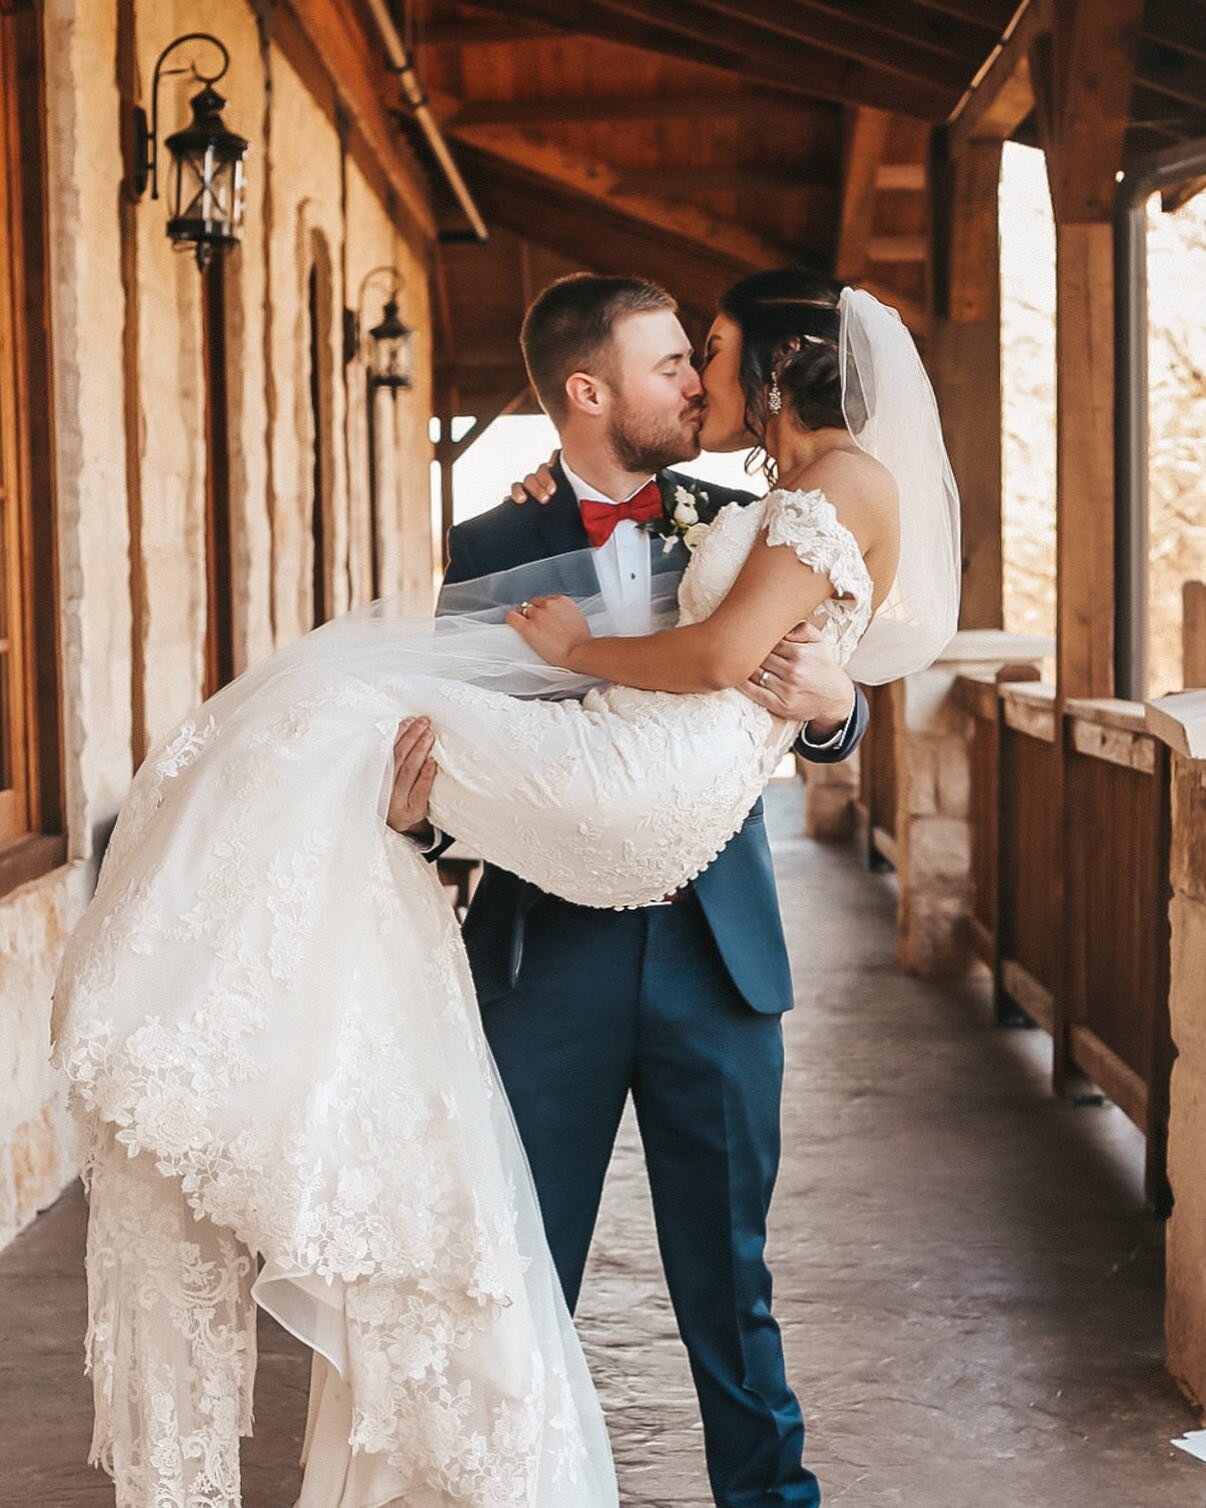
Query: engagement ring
[525, 608]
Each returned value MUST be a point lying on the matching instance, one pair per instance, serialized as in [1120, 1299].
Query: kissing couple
[304, 1089]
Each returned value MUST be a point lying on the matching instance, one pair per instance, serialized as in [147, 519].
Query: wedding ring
[762, 678]
[525, 608]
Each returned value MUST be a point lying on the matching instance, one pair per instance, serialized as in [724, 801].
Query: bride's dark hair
[789, 324]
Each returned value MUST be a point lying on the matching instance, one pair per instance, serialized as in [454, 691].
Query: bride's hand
[553, 626]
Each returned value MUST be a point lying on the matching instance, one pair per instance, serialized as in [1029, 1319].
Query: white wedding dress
[269, 1026]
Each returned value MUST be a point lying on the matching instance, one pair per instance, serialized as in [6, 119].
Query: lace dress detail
[269, 1026]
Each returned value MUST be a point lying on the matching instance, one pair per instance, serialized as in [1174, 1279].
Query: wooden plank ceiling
[693, 141]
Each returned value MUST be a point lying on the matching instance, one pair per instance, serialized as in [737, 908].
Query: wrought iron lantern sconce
[206, 189]
[389, 351]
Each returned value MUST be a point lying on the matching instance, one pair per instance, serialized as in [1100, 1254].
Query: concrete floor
[969, 1289]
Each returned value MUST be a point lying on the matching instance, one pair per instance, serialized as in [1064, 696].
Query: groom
[678, 1003]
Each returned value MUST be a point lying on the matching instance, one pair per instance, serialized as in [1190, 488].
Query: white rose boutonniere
[687, 514]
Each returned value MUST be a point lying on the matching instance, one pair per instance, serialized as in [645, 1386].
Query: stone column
[933, 811]
[1180, 721]
[829, 797]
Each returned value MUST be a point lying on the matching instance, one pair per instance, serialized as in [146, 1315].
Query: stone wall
[129, 444]
[1186, 1301]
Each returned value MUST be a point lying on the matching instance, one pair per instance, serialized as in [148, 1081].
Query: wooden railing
[1070, 859]
[1116, 927]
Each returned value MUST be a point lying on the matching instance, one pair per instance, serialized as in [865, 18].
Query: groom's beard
[640, 444]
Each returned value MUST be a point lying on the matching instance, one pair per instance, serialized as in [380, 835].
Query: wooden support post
[965, 360]
[1193, 634]
[1084, 347]
[444, 450]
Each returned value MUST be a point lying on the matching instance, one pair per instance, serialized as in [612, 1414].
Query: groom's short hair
[569, 329]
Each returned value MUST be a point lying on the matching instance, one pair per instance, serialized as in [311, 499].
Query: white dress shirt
[622, 563]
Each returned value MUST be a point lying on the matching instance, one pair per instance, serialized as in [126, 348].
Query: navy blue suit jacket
[737, 891]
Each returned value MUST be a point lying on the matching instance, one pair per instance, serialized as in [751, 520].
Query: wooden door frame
[23, 225]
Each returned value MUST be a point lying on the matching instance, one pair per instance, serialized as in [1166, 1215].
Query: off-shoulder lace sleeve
[809, 524]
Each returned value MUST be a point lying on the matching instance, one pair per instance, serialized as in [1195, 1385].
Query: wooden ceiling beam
[970, 40]
[1002, 94]
[749, 105]
[1176, 26]
[595, 236]
[999, 12]
[484, 32]
[593, 178]
[688, 32]
[1183, 80]
[863, 149]
[1175, 198]
[680, 182]
[835, 32]
[1094, 74]
[825, 72]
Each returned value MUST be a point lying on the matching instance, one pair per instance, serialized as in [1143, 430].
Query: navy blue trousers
[611, 1003]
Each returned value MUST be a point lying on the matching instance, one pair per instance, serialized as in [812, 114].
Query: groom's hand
[539, 484]
[801, 681]
[414, 770]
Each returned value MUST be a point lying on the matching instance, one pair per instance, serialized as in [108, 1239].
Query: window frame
[32, 837]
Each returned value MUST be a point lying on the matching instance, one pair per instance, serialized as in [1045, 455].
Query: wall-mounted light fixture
[389, 353]
[206, 191]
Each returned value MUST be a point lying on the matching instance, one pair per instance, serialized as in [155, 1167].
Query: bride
[266, 1014]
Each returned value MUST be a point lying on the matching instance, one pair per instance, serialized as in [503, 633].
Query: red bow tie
[601, 519]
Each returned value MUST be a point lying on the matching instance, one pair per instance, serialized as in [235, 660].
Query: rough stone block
[1187, 988]
[1185, 1307]
[922, 775]
[954, 777]
[932, 937]
[939, 851]
[1189, 827]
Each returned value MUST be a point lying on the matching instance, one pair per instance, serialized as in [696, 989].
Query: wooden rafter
[1002, 95]
[866, 135]
[594, 179]
[835, 32]
[688, 32]
[449, 453]
[626, 108]
[969, 40]
[973, 10]
[826, 73]
[680, 182]
[483, 32]
[596, 234]
[1175, 26]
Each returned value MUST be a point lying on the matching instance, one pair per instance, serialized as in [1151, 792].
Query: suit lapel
[559, 521]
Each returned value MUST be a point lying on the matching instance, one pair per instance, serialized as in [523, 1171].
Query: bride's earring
[774, 399]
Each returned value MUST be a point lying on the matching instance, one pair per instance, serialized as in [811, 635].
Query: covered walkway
[970, 1288]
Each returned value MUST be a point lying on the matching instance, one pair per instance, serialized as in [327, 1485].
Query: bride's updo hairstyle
[789, 324]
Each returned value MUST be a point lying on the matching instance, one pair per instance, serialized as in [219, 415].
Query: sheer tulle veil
[891, 411]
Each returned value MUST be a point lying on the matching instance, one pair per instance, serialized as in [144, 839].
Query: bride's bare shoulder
[859, 487]
[848, 476]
